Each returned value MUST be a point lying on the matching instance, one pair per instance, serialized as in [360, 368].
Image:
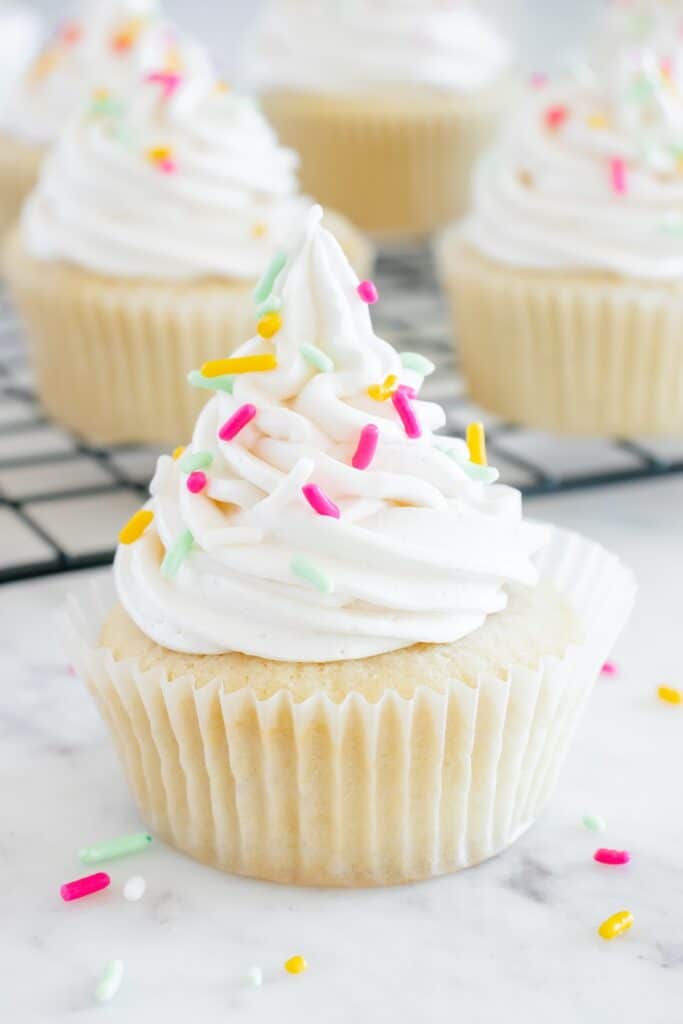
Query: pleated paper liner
[111, 357]
[355, 793]
[568, 352]
[398, 165]
[19, 167]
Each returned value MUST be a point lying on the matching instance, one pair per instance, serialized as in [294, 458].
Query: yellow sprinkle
[158, 154]
[101, 95]
[296, 965]
[269, 325]
[240, 364]
[174, 61]
[476, 442]
[177, 452]
[136, 526]
[598, 122]
[669, 695]
[381, 392]
[223, 86]
[259, 230]
[616, 925]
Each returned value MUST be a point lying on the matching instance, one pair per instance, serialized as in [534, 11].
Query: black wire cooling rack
[62, 501]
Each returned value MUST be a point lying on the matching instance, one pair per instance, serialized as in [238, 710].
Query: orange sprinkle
[669, 695]
[127, 36]
[136, 526]
[44, 64]
[71, 33]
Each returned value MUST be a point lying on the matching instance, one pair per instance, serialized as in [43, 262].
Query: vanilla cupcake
[340, 655]
[140, 248]
[102, 45]
[567, 278]
[388, 104]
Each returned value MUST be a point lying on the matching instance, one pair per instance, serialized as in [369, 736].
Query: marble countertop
[512, 940]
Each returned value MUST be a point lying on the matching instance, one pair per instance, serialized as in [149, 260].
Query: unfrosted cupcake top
[309, 45]
[315, 516]
[589, 175]
[182, 180]
[100, 45]
[19, 39]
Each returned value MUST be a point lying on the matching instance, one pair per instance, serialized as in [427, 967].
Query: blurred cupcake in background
[20, 30]
[388, 102]
[96, 46]
[139, 250]
[567, 278]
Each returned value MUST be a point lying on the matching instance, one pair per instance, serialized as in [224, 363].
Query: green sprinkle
[315, 356]
[482, 474]
[594, 823]
[641, 90]
[672, 227]
[121, 847]
[305, 571]
[110, 982]
[176, 555]
[195, 460]
[265, 285]
[273, 304]
[198, 380]
[108, 108]
[414, 361]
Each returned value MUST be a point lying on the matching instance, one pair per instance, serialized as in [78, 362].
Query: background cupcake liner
[19, 167]
[111, 357]
[397, 166]
[578, 354]
[355, 793]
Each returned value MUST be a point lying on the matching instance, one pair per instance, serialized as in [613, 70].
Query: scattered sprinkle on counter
[110, 982]
[296, 965]
[134, 889]
[669, 695]
[616, 925]
[124, 846]
[612, 857]
[594, 823]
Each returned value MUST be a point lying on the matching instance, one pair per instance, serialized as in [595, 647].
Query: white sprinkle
[255, 976]
[134, 889]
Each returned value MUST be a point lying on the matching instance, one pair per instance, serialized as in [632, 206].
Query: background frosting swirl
[421, 551]
[442, 44]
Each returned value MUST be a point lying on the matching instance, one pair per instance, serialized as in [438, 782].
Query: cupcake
[340, 655]
[138, 252]
[388, 104]
[96, 47]
[566, 279]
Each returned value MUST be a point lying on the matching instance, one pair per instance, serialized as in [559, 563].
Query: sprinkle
[296, 965]
[223, 86]
[594, 823]
[127, 35]
[196, 482]
[134, 889]
[168, 80]
[555, 117]
[414, 361]
[616, 925]
[84, 886]
[121, 847]
[317, 358]
[269, 325]
[259, 229]
[367, 447]
[136, 526]
[367, 291]
[265, 285]
[618, 175]
[195, 460]
[480, 474]
[669, 695]
[603, 856]
[272, 304]
[177, 452]
[240, 364]
[401, 402]
[71, 33]
[162, 158]
[305, 571]
[177, 554]
[237, 422]
[381, 392]
[538, 80]
[609, 669]
[198, 380]
[319, 501]
[476, 442]
[597, 122]
[110, 982]
[254, 976]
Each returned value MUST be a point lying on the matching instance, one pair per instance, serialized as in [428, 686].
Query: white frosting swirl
[547, 196]
[421, 551]
[307, 45]
[103, 203]
[104, 44]
[19, 36]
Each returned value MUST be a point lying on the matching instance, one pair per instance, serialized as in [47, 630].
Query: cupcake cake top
[589, 175]
[178, 178]
[315, 516]
[100, 45]
[19, 40]
[306, 45]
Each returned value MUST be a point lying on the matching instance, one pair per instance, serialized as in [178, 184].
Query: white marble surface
[513, 940]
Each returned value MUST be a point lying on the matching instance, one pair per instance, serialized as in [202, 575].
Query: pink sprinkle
[84, 886]
[168, 166]
[405, 410]
[237, 422]
[319, 502]
[609, 669]
[612, 856]
[168, 81]
[196, 482]
[618, 175]
[368, 292]
[538, 80]
[407, 390]
[555, 117]
[367, 446]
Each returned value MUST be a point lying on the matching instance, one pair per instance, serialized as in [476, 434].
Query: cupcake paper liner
[111, 357]
[355, 793]
[399, 167]
[19, 168]
[568, 352]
